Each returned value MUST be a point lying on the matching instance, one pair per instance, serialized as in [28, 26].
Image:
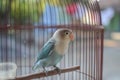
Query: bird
[53, 50]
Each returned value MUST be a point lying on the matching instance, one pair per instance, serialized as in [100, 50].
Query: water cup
[7, 70]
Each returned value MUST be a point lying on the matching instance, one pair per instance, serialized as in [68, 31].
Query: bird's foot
[45, 71]
[58, 70]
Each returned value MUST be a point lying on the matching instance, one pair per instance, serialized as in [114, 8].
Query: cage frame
[71, 26]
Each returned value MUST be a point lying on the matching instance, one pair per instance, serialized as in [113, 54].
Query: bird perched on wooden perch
[53, 51]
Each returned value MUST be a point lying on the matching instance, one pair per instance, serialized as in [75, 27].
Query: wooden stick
[50, 73]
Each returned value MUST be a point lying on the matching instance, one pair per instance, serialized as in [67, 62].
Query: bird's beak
[71, 37]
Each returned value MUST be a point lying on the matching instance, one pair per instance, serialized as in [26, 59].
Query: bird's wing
[46, 50]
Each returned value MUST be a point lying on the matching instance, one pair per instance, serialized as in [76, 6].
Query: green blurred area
[112, 30]
[115, 22]
[3, 6]
[21, 11]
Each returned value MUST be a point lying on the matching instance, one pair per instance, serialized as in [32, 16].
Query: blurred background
[110, 11]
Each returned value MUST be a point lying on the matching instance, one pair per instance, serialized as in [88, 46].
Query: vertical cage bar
[101, 63]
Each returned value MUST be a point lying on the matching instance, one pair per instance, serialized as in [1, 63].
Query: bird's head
[64, 34]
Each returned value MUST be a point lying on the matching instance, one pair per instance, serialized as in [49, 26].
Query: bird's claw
[45, 71]
[58, 70]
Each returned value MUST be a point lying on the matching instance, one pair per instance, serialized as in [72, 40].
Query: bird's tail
[34, 67]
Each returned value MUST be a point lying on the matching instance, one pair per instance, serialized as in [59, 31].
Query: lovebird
[54, 49]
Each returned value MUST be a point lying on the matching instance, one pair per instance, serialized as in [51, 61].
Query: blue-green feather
[47, 56]
[46, 49]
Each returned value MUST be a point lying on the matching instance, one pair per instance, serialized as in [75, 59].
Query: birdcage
[25, 25]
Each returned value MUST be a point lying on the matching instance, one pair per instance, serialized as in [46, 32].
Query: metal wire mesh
[25, 25]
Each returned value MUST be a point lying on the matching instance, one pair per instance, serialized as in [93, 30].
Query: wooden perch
[50, 73]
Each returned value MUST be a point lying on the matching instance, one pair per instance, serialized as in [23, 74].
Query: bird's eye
[66, 33]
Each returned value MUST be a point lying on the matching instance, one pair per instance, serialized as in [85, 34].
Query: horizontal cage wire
[26, 25]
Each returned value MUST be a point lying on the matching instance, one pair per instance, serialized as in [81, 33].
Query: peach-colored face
[66, 34]
[71, 36]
